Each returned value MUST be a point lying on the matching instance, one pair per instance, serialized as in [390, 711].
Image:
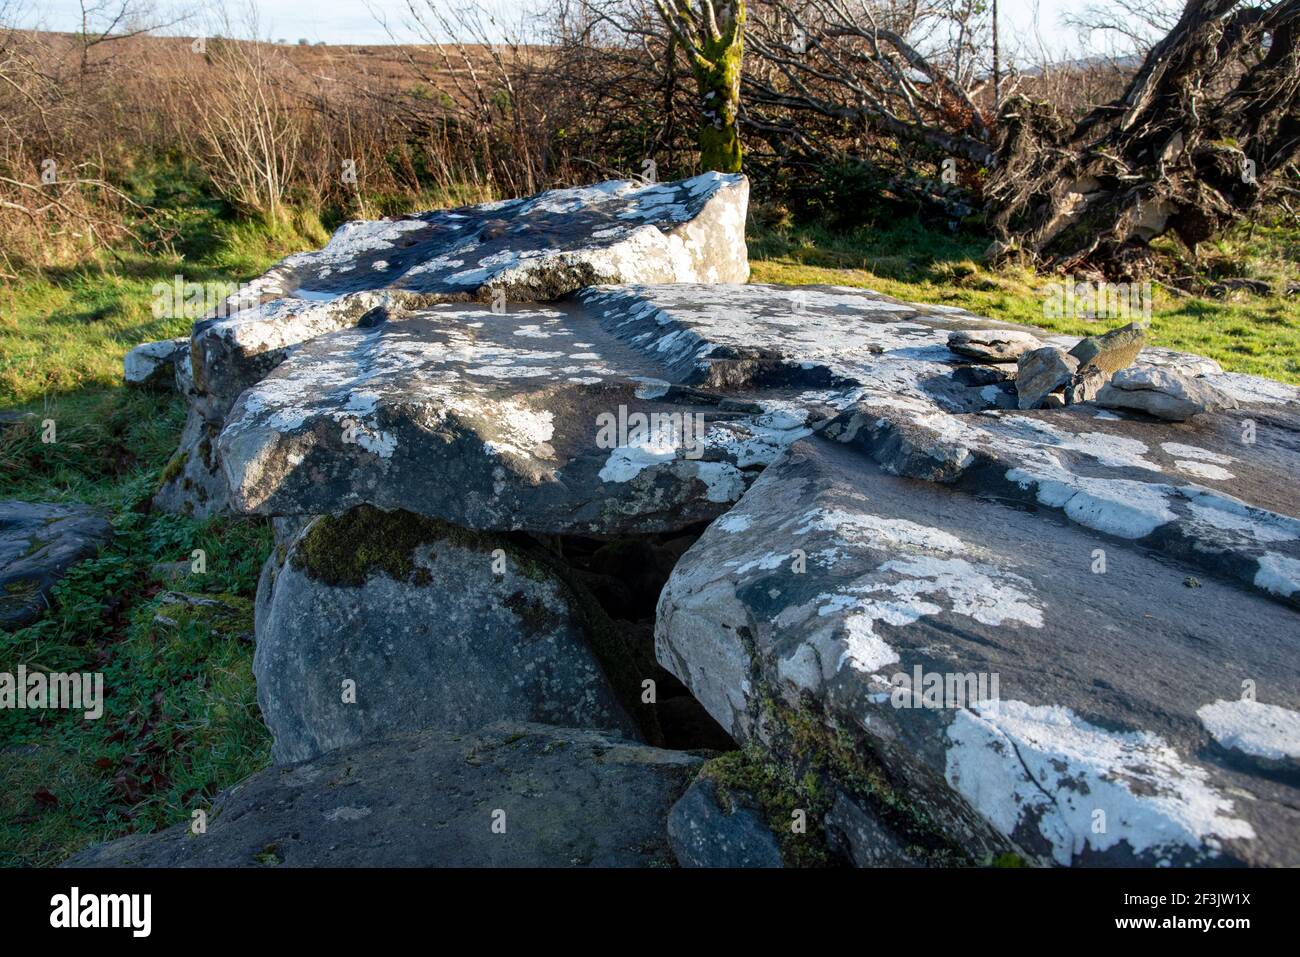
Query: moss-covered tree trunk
[713, 38]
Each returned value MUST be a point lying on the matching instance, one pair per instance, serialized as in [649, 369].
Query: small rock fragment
[992, 345]
[1085, 385]
[704, 832]
[1117, 349]
[1042, 372]
[1162, 393]
[152, 365]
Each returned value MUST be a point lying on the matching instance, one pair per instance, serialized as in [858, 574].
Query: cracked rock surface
[524, 250]
[38, 544]
[564, 797]
[967, 628]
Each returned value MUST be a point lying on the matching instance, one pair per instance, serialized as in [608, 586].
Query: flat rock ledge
[516, 251]
[153, 365]
[511, 795]
[38, 544]
[630, 409]
[988, 677]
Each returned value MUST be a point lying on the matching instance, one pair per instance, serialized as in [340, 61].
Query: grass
[180, 717]
[64, 330]
[1248, 333]
[181, 720]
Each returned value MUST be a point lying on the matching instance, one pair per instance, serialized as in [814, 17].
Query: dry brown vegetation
[353, 128]
[847, 106]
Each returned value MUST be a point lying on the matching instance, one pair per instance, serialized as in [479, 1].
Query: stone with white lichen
[640, 408]
[534, 249]
[993, 345]
[863, 619]
[514, 251]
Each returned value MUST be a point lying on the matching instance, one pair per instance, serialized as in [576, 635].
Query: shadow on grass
[906, 251]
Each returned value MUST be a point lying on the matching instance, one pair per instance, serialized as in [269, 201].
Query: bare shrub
[243, 128]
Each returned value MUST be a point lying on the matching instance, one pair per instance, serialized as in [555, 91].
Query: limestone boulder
[534, 249]
[1162, 393]
[982, 679]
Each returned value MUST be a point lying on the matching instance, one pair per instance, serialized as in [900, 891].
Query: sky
[358, 21]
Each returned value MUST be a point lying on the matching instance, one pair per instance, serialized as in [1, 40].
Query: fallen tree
[1206, 130]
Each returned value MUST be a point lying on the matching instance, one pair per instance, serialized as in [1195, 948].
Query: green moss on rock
[345, 550]
[752, 778]
[814, 744]
[173, 468]
[348, 548]
[809, 747]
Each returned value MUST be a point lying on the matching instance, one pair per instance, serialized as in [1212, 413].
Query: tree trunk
[718, 74]
[712, 35]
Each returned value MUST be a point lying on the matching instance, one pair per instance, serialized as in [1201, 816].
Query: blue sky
[352, 21]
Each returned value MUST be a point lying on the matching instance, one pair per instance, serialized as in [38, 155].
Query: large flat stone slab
[38, 544]
[558, 797]
[514, 411]
[838, 339]
[1117, 732]
[524, 250]
[533, 249]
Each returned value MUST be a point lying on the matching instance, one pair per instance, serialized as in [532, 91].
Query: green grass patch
[181, 719]
[1246, 333]
[66, 330]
